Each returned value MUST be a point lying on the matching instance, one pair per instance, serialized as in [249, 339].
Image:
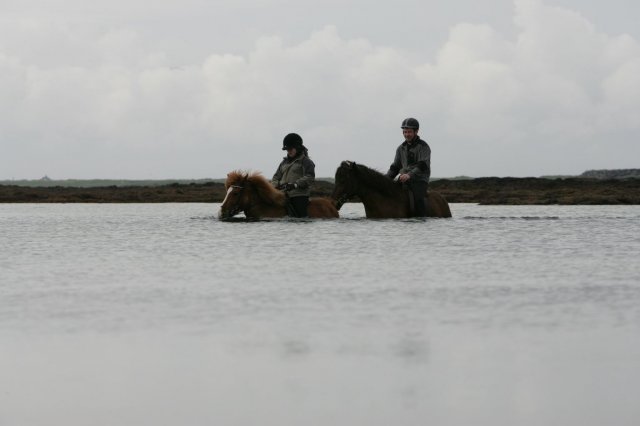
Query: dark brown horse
[252, 194]
[382, 197]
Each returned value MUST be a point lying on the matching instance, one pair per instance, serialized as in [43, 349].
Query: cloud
[559, 97]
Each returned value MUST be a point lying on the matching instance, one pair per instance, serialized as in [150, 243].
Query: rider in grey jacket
[412, 164]
[295, 174]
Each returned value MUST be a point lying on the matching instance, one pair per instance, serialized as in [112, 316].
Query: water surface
[159, 314]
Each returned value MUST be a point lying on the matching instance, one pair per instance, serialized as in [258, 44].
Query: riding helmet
[410, 123]
[292, 140]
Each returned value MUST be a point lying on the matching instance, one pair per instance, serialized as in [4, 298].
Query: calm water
[159, 314]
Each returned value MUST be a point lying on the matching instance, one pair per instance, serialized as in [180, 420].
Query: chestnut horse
[382, 197]
[254, 195]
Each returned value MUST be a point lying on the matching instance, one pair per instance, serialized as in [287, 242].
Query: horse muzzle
[339, 202]
[227, 214]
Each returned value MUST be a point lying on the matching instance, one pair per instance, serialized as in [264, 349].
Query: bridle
[236, 209]
[342, 199]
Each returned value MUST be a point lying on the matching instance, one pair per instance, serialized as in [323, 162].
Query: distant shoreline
[47, 182]
[488, 191]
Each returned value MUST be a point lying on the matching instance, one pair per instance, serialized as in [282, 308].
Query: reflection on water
[163, 315]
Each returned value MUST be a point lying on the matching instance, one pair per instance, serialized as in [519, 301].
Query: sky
[128, 89]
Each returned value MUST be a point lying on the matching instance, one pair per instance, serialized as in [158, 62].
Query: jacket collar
[291, 160]
[414, 142]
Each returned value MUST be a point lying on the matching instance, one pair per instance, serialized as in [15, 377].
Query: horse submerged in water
[382, 197]
[254, 195]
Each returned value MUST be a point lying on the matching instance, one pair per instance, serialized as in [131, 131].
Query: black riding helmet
[410, 123]
[292, 140]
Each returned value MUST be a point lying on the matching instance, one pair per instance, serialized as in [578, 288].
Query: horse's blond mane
[263, 187]
[234, 178]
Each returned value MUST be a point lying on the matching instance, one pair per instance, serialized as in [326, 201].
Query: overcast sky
[192, 89]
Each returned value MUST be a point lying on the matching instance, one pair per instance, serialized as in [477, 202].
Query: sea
[162, 315]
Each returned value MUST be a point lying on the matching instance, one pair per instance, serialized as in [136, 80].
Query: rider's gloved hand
[290, 186]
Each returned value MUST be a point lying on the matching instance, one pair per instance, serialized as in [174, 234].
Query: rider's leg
[419, 190]
[300, 205]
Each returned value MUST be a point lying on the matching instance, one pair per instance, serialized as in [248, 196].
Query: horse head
[346, 184]
[236, 198]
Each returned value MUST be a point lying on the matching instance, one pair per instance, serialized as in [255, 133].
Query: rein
[237, 208]
[341, 200]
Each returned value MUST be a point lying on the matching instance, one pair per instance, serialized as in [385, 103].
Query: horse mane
[263, 187]
[373, 178]
[235, 177]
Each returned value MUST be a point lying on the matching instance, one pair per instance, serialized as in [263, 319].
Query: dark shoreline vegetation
[487, 191]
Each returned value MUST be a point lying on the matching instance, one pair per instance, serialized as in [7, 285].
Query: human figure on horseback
[412, 165]
[294, 175]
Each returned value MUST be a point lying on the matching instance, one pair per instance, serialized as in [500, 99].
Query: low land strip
[491, 190]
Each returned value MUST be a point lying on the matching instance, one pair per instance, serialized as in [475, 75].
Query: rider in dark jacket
[295, 174]
[412, 164]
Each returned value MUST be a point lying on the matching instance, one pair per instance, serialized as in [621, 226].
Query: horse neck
[258, 207]
[381, 204]
[370, 194]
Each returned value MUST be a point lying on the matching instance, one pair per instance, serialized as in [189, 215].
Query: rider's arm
[395, 167]
[308, 174]
[423, 163]
[275, 180]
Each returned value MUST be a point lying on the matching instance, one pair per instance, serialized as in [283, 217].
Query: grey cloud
[551, 98]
